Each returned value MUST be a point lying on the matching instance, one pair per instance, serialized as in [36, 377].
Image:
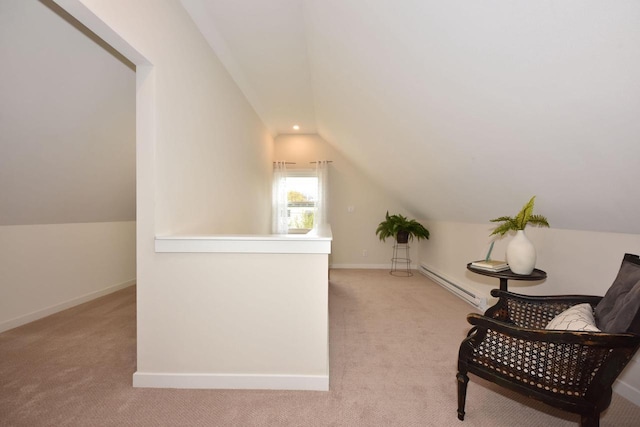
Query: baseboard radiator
[477, 301]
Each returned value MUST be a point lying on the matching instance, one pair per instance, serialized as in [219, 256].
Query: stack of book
[490, 265]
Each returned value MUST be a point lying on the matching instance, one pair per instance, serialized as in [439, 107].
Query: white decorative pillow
[576, 318]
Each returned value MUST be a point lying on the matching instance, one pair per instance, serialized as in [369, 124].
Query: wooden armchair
[571, 370]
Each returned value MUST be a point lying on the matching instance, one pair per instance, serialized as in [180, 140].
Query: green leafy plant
[520, 221]
[394, 224]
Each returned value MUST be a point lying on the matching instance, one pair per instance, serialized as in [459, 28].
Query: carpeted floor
[393, 350]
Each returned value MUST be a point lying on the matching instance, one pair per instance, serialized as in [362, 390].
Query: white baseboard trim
[366, 266]
[362, 266]
[473, 297]
[627, 391]
[628, 384]
[39, 314]
[232, 381]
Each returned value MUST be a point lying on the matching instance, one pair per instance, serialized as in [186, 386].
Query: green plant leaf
[502, 218]
[538, 220]
[520, 221]
[525, 213]
[395, 223]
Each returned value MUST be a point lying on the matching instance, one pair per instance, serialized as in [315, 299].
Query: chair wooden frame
[573, 371]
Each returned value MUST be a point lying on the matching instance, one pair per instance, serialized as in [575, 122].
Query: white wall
[47, 268]
[234, 321]
[353, 232]
[576, 262]
[212, 152]
[204, 167]
[67, 164]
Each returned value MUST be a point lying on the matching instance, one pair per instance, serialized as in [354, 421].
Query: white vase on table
[521, 254]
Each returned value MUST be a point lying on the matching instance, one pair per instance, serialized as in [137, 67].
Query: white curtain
[279, 220]
[322, 172]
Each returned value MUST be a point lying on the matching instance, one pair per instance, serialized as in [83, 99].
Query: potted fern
[521, 254]
[401, 228]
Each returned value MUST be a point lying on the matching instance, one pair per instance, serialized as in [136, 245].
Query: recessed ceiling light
[296, 127]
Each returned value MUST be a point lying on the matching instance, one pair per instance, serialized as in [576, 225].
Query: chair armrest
[534, 312]
[587, 338]
[571, 299]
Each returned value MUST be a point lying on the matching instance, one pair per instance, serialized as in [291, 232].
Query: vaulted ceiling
[464, 109]
[67, 121]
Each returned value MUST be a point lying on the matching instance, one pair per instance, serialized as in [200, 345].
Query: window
[302, 195]
[299, 201]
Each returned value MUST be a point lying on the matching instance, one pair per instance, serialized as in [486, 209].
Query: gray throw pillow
[627, 313]
[619, 309]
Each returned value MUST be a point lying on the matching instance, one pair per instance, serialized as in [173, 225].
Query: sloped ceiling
[464, 109]
[67, 121]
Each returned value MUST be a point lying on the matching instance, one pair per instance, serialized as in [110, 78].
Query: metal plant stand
[401, 261]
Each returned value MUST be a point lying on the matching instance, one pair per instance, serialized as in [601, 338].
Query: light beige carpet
[393, 344]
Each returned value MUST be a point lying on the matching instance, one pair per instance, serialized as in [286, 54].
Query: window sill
[299, 230]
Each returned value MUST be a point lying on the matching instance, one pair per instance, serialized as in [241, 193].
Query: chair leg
[463, 379]
[590, 420]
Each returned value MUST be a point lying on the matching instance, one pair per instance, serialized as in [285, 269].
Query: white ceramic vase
[521, 254]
